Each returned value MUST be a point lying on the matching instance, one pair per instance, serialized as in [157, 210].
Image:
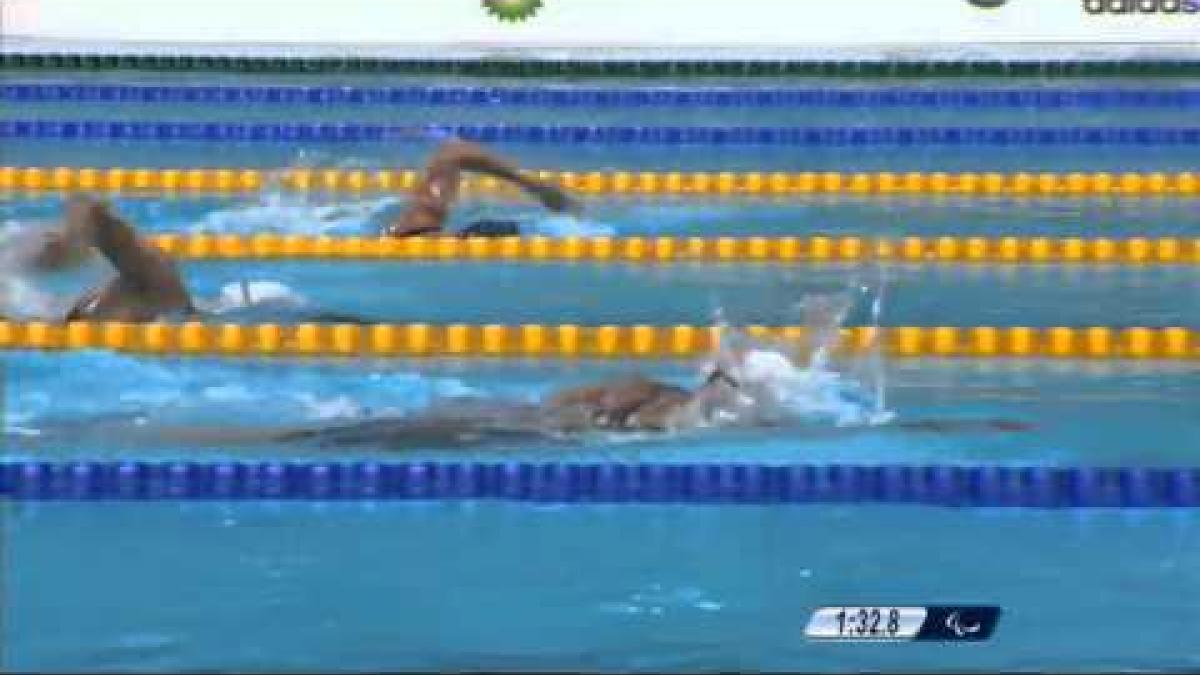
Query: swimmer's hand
[58, 250]
[556, 199]
[71, 244]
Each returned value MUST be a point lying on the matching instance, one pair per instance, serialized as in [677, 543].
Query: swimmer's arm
[437, 189]
[473, 158]
[62, 248]
[138, 262]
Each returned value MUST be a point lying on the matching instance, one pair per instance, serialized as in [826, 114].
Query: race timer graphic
[512, 10]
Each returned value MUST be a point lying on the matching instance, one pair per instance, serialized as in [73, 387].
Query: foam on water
[780, 384]
[778, 388]
[566, 225]
[80, 388]
[286, 213]
[23, 296]
[24, 301]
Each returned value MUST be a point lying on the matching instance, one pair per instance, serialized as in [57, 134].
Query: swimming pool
[553, 583]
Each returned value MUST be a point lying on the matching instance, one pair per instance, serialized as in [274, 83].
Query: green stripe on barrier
[506, 67]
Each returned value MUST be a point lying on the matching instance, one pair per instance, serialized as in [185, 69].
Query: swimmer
[437, 191]
[735, 392]
[631, 404]
[637, 403]
[147, 285]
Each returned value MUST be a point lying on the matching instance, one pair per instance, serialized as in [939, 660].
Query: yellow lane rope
[1136, 250]
[574, 341]
[241, 180]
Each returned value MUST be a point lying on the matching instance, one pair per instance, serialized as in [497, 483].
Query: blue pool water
[323, 586]
[629, 588]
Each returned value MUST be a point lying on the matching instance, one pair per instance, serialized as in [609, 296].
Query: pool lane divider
[570, 341]
[508, 67]
[610, 483]
[195, 180]
[593, 97]
[572, 135]
[666, 250]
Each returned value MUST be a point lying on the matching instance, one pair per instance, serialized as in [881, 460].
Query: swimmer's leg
[951, 426]
[124, 431]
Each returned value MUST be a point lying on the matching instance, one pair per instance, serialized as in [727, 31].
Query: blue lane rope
[592, 97]
[578, 135]
[954, 486]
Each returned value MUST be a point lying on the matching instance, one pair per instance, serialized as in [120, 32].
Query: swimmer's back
[629, 402]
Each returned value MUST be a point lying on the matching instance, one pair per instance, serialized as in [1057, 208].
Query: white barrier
[802, 28]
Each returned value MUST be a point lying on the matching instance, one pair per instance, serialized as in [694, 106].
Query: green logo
[512, 10]
[988, 4]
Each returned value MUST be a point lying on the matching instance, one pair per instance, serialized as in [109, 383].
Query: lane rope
[652, 67]
[571, 341]
[237, 132]
[576, 483]
[593, 97]
[190, 180]
[1012, 250]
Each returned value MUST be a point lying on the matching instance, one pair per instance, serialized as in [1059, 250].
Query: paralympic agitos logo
[1126, 7]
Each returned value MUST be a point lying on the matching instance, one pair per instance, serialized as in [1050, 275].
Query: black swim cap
[492, 228]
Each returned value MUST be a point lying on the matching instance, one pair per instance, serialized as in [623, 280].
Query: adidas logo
[1141, 6]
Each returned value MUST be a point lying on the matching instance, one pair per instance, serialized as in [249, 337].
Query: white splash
[228, 393]
[22, 431]
[262, 294]
[22, 300]
[337, 407]
[774, 389]
[566, 225]
[20, 296]
[290, 214]
[451, 388]
[780, 383]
